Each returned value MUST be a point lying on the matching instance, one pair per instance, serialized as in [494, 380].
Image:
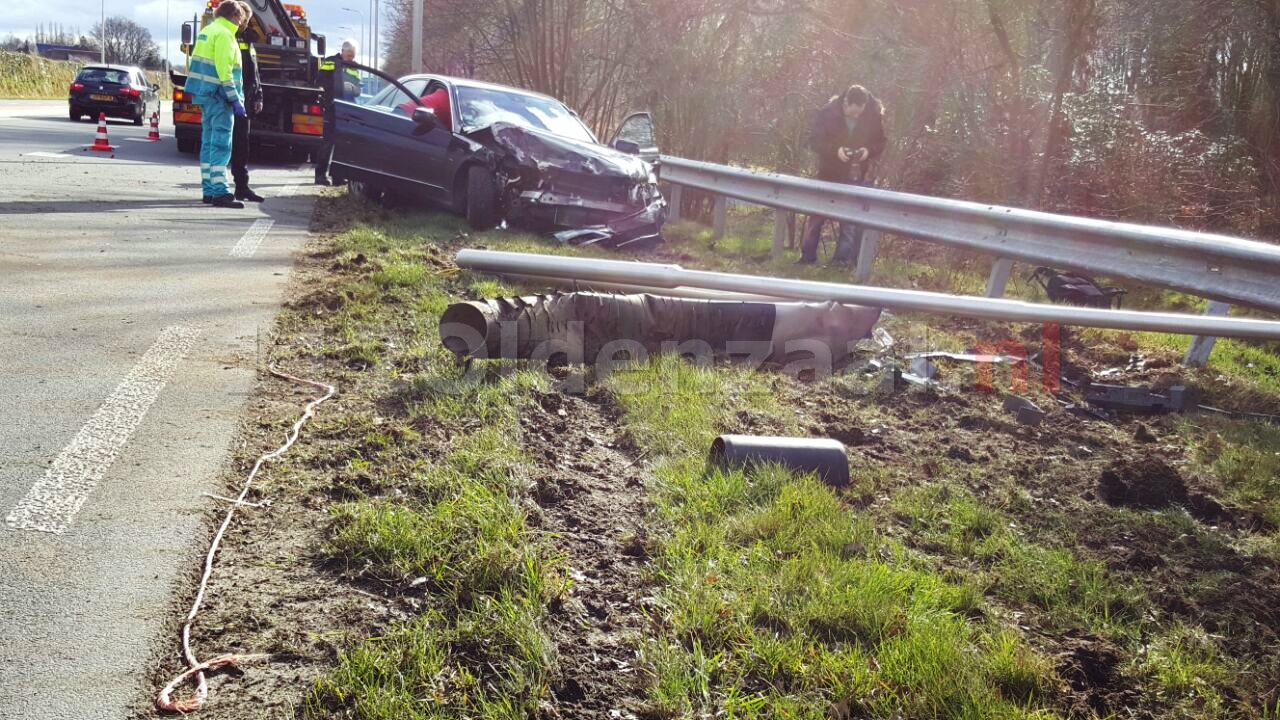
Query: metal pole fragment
[720, 217]
[1202, 345]
[677, 193]
[668, 276]
[999, 280]
[779, 232]
[866, 256]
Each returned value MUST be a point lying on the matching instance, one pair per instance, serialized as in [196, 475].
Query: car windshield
[481, 107]
[100, 75]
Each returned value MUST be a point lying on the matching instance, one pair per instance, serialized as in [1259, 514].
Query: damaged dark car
[499, 154]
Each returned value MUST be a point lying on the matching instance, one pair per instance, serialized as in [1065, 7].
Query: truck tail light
[179, 96]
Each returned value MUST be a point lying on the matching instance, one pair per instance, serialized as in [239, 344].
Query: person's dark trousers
[847, 247]
[324, 153]
[321, 156]
[240, 153]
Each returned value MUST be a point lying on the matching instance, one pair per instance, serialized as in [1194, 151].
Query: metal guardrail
[1218, 267]
[1222, 268]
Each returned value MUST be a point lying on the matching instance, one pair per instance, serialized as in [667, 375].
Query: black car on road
[120, 91]
[496, 153]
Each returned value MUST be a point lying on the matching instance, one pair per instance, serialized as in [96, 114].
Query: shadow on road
[103, 205]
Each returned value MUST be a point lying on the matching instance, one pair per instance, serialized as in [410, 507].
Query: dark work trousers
[240, 153]
[847, 246]
[324, 153]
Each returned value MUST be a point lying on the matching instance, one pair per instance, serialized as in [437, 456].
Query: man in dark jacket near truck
[344, 85]
[253, 104]
[848, 135]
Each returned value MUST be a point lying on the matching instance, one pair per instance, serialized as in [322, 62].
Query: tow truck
[292, 116]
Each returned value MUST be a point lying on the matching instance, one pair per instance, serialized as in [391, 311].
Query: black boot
[206, 199]
[247, 193]
[227, 201]
[322, 180]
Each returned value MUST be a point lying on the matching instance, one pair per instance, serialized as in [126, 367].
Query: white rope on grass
[195, 668]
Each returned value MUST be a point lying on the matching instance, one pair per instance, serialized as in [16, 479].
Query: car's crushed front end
[587, 194]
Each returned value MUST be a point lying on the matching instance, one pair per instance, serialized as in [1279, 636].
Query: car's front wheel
[482, 198]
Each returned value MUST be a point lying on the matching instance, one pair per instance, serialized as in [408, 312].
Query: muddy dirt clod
[1143, 434]
[1146, 482]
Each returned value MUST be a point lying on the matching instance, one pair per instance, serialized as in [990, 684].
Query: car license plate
[101, 97]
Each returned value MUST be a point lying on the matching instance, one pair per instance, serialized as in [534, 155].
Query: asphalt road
[130, 323]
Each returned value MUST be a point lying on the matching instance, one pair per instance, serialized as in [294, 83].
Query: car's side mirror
[187, 32]
[424, 118]
[155, 88]
[320, 44]
[626, 146]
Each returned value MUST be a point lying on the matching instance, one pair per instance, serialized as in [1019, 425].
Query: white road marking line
[253, 237]
[45, 155]
[55, 499]
[289, 190]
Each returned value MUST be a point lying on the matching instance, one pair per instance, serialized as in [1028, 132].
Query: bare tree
[127, 43]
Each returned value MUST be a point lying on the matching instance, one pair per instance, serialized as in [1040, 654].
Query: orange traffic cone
[155, 127]
[100, 143]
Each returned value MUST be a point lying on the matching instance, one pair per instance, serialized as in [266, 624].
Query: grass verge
[969, 571]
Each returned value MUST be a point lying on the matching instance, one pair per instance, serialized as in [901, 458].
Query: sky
[21, 17]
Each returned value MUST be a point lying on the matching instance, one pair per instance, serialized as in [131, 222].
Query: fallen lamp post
[593, 324]
[658, 276]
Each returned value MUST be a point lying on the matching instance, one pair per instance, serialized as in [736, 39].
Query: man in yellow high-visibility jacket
[215, 84]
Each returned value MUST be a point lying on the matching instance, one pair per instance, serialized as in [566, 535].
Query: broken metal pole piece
[1201, 345]
[655, 275]
[999, 280]
[823, 457]
[1027, 412]
[1138, 399]
[588, 326]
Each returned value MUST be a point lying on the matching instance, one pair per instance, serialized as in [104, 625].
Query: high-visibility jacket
[215, 63]
[350, 81]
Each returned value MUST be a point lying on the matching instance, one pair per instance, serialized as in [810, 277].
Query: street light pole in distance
[359, 37]
[417, 36]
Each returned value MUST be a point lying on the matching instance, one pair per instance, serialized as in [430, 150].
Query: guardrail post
[1201, 346]
[999, 279]
[779, 232]
[721, 215]
[866, 255]
[673, 207]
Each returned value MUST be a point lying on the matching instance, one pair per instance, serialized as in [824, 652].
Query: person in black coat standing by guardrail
[253, 106]
[848, 135]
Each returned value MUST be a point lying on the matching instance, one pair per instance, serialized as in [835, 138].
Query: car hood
[545, 151]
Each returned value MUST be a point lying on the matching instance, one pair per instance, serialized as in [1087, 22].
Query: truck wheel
[482, 199]
[188, 144]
